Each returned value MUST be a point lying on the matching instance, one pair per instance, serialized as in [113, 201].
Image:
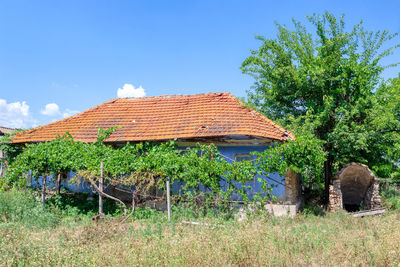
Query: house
[4, 131]
[218, 118]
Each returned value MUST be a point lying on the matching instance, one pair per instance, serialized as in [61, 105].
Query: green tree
[325, 83]
[385, 119]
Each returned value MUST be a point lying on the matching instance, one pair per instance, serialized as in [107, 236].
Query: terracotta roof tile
[162, 118]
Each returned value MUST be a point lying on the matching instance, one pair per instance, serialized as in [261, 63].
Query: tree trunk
[59, 183]
[328, 177]
[44, 189]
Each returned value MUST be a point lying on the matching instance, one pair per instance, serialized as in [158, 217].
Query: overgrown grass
[21, 207]
[391, 198]
[149, 239]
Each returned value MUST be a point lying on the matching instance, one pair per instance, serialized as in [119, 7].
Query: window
[241, 157]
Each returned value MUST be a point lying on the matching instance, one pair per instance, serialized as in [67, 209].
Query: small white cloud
[51, 109]
[128, 90]
[69, 112]
[15, 115]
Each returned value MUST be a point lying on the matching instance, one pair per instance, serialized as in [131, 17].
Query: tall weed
[22, 207]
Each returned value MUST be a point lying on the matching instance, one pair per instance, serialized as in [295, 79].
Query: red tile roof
[162, 118]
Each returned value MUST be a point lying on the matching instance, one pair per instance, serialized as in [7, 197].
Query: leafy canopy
[326, 84]
[136, 164]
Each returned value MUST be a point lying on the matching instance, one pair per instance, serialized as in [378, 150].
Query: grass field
[73, 240]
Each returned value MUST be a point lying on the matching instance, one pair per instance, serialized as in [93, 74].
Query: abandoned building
[218, 118]
[354, 187]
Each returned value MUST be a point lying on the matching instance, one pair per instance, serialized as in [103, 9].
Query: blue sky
[77, 54]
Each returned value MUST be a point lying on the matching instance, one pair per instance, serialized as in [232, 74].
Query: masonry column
[292, 187]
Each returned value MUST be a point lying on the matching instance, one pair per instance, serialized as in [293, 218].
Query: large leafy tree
[327, 83]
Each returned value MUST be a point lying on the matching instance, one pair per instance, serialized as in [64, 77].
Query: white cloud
[128, 90]
[15, 115]
[51, 109]
[18, 115]
[69, 112]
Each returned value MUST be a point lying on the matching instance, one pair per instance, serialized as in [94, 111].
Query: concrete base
[282, 209]
[289, 210]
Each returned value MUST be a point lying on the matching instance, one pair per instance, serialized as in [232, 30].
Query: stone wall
[335, 197]
[372, 199]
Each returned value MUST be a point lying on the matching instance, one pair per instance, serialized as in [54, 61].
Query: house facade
[218, 118]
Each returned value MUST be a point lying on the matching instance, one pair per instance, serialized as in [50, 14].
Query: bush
[391, 198]
[81, 204]
[22, 207]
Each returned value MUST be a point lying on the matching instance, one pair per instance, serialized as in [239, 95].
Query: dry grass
[333, 240]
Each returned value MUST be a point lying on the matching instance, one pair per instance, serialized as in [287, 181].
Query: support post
[44, 189]
[59, 183]
[168, 201]
[101, 189]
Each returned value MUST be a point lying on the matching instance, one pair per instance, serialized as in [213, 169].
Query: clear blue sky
[76, 54]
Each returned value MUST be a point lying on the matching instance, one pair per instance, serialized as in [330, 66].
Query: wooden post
[168, 201]
[101, 189]
[59, 183]
[44, 189]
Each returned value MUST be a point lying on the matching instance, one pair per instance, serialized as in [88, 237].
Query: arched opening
[355, 180]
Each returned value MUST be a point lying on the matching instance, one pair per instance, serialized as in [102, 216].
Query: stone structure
[372, 199]
[354, 187]
[335, 196]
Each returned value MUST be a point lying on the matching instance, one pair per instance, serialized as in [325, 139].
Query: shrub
[22, 207]
[391, 198]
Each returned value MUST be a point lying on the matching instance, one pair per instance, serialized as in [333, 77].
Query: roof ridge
[172, 96]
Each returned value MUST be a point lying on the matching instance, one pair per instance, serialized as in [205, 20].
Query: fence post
[44, 189]
[58, 183]
[101, 189]
[168, 201]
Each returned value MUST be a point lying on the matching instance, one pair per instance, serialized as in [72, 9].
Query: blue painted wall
[83, 187]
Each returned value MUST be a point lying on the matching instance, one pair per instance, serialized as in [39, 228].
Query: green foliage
[391, 198]
[22, 207]
[303, 155]
[80, 205]
[327, 83]
[312, 210]
[42, 159]
[385, 118]
[141, 166]
[10, 151]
